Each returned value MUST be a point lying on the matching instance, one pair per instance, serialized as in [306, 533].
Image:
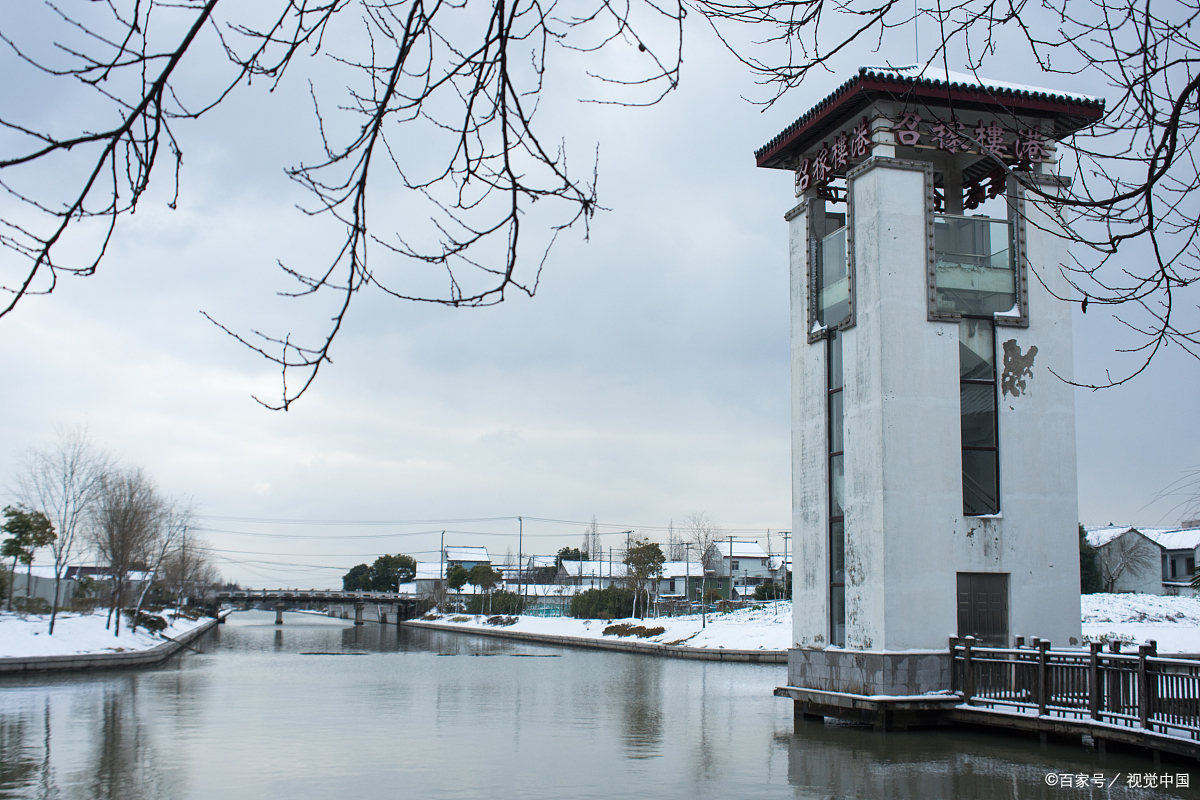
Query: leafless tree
[440, 109]
[63, 481]
[187, 570]
[591, 541]
[703, 534]
[173, 521]
[1186, 492]
[1131, 553]
[676, 549]
[127, 521]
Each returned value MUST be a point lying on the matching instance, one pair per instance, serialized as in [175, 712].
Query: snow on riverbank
[1173, 622]
[764, 628]
[78, 633]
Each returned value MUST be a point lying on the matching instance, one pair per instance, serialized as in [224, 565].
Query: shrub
[641, 631]
[615, 601]
[496, 603]
[151, 622]
[769, 591]
[31, 605]
[501, 620]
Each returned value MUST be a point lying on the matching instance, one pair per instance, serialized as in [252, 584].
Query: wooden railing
[1145, 691]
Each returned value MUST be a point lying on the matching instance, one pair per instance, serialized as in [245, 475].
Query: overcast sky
[648, 378]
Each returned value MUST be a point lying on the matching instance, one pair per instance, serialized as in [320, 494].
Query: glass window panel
[973, 266]
[837, 552]
[837, 615]
[835, 361]
[833, 280]
[978, 410]
[981, 485]
[835, 422]
[976, 350]
[837, 486]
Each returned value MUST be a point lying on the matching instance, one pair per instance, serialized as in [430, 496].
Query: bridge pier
[358, 612]
[279, 613]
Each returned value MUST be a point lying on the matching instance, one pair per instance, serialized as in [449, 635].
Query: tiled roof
[900, 80]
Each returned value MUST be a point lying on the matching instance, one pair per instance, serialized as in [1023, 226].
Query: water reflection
[322, 708]
[641, 702]
[846, 761]
[18, 763]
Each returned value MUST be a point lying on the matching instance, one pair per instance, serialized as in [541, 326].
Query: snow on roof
[682, 569]
[935, 76]
[594, 569]
[1098, 537]
[1174, 538]
[778, 561]
[536, 562]
[1166, 538]
[467, 554]
[1071, 111]
[428, 571]
[740, 550]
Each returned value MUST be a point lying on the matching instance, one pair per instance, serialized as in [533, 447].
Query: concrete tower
[933, 446]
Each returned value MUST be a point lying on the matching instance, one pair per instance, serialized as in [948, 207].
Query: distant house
[1146, 560]
[740, 559]
[466, 557]
[430, 577]
[592, 574]
[683, 578]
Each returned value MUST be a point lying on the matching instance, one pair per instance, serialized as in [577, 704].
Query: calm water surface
[317, 708]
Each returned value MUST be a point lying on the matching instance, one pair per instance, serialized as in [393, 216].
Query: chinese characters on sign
[955, 137]
[1133, 780]
[817, 171]
[1025, 147]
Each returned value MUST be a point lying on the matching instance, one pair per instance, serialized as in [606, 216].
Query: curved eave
[1070, 114]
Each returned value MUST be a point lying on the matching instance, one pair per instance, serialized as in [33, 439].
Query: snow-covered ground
[1173, 622]
[78, 633]
[765, 628]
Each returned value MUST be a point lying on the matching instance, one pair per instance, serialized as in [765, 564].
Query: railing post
[1145, 692]
[953, 658]
[1094, 678]
[1043, 646]
[1114, 703]
[968, 670]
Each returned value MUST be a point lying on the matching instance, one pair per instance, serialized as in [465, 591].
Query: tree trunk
[12, 583]
[54, 603]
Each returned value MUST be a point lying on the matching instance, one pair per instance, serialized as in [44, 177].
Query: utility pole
[786, 593]
[442, 563]
[731, 567]
[520, 539]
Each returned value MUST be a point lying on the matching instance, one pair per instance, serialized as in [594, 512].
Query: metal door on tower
[983, 607]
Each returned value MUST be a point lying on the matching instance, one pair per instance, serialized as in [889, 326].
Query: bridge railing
[314, 594]
[1138, 691]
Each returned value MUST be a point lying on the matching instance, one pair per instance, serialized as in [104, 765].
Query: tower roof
[928, 87]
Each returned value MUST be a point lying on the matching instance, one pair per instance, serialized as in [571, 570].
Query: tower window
[978, 412]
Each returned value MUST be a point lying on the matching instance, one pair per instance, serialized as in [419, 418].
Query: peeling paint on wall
[1017, 367]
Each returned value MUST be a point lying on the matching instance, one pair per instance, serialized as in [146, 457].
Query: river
[317, 708]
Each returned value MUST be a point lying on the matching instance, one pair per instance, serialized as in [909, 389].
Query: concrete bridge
[388, 606]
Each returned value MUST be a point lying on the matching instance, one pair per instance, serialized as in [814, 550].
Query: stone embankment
[91, 661]
[643, 648]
